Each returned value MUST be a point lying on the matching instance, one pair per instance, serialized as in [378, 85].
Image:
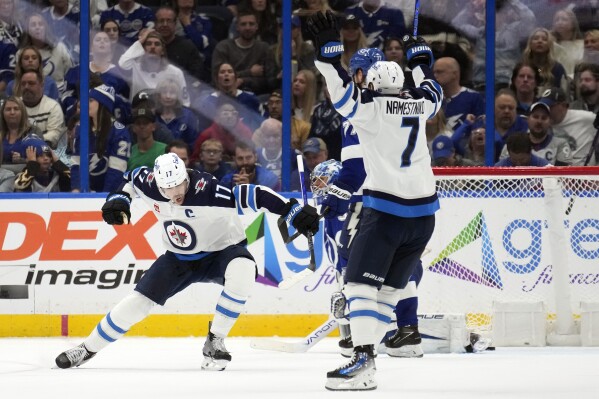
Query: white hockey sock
[387, 299]
[228, 308]
[130, 310]
[363, 313]
[240, 277]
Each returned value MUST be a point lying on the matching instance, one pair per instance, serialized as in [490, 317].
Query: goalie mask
[323, 176]
[169, 172]
[386, 77]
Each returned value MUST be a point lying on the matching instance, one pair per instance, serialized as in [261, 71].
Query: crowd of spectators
[204, 79]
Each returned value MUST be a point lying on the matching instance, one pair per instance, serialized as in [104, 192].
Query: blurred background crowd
[204, 79]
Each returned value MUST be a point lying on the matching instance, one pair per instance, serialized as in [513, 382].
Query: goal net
[513, 235]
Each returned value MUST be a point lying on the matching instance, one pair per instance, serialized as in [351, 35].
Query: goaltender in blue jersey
[205, 242]
[399, 193]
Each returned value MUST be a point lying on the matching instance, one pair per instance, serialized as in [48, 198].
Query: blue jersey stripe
[346, 96]
[227, 312]
[397, 209]
[113, 325]
[240, 301]
[103, 334]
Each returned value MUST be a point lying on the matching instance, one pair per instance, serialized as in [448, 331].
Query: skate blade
[363, 382]
[210, 364]
[406, 351]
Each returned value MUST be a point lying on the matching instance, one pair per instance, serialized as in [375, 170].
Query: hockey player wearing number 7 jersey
[403, 341]
[205, 242]
[399, 193]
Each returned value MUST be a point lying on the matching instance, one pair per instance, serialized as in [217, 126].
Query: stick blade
[296, 278]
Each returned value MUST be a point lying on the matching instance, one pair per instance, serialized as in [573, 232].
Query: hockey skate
[216, 356]
[357, 375]
[405, 343]
[74, 357]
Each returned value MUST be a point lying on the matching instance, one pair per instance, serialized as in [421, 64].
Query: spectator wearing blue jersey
[519, 149]
[131, 16]
[248, 171]
[109, 145]
[507, 121]
[16, 131]
[64, 19]
[525, 83]
[8, 55]
[172, 114]
[378, 21]
[458, 101]
[196, 27]
[444, 154]
[10, 19]
[29, 57]
[102, 67]
[226, 83]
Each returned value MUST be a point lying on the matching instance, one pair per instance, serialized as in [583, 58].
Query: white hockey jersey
[208, 220]
[392, 135]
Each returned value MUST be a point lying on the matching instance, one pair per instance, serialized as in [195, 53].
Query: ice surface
[149, 368]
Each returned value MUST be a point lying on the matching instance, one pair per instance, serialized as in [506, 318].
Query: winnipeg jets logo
[200, 185]
[177, 235]
[180, 235]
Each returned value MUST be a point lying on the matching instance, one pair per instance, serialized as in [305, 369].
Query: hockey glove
[326, 36]
[304, 219]
[336, 200]
[116, 209]
[418, 52]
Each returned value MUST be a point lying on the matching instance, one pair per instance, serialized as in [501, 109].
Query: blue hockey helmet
[363, 59]
[323, 176]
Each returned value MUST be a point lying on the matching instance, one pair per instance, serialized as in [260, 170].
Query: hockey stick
[308, 271]
[302, 346]
[416, 13]
[592, 150]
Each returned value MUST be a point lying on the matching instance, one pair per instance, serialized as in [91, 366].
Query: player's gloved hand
[304, 219]
[337, 200]
[116, 209]
[418, 52]
[328, 44]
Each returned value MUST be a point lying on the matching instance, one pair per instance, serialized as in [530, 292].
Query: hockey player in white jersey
[399, 193]
[205, 242]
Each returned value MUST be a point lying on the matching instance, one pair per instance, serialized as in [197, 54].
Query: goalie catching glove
[336, 202]
[327, 39]
[418, 52]
[304, 219]
[116, 209]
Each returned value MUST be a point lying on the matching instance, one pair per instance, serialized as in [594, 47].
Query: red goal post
[513, 235]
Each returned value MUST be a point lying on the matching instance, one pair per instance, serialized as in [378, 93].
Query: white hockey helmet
[169, 171]
[386, 77]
